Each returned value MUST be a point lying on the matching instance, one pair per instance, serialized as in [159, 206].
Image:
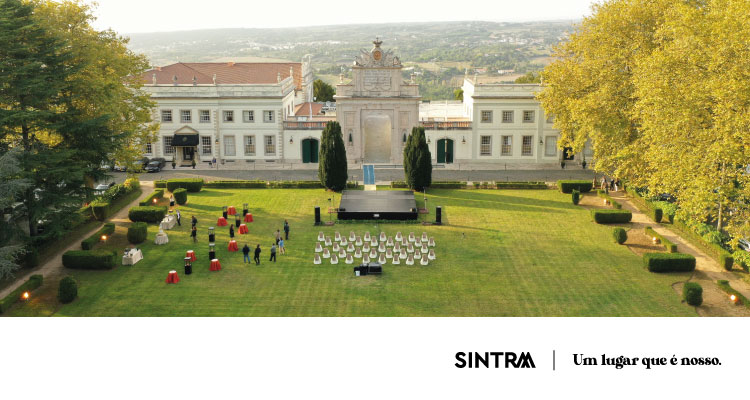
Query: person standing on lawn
[246, 253]
[273, 253]
[178, 217]
[278, 236]
[231, 231]
[286, 230]
[171, 200]
[194, 221]
[194, 233]
[257, 255]
[282, 249]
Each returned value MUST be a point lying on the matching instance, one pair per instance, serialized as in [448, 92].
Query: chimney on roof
[174, 79]
[158, 68]
[231, 63]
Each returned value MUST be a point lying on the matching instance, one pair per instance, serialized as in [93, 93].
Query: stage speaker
[438, 215]
[317, 215]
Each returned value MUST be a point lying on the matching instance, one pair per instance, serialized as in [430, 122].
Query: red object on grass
[231, 210]
[191, 254]
[232, 245]
[243, 229]
[221, 222]
[248, 217]
[215, 265]
[172, 277]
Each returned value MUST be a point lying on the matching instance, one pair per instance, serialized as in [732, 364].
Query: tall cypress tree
[417, 161]
[332, 168]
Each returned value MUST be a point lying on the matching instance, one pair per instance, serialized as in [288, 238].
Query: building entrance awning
[184, 139]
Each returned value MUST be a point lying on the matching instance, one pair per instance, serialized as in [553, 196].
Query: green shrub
[398, 184]
[160, 184]
[137, 232]
[30, 258]
[448, 185]
[669, 262]
[692, 293]
[151, 214]
[149, 201]
[726, 260]
[606, 196]
[620, 235]
[132, 184]
[671, 247]
[193, 185]
[237, 184]
[93, 259]
[567, 186]
[91, 241]
[520, 185]
[34, 282]
[295, 184]
[180, 196]
[724, 285]
[742, 258]
[575, 196]
[611, 216]
[352, 185]
[100, 210]
[656, 214]
[67, 291]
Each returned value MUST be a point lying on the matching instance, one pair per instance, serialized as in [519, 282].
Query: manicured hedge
[151, 214]
[448, 185]
[34, 282]
[399, 185]
[180, 196]
[575, 196]
[137, 232]
[193, 185]
[91, 241]
[671, 247]
[100, 210]
[619, 235]
[352, 185]
[160, 184]
[611, 216]
[652, 209]
[520, 185]
[692, 293]
[567, 186]
[669, 262]
[67, 291]
[606, 196]
[724, 285]
[726, 260]
[295, 184]
[93, 259]
[148, 201]
[237, 184]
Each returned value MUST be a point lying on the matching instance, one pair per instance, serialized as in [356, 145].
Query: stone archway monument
[376, 108]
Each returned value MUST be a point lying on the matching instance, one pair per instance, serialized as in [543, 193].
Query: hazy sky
[130, 16]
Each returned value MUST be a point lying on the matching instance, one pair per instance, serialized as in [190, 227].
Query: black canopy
[185, 139]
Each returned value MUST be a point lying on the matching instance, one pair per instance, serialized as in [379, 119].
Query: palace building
[242, 113]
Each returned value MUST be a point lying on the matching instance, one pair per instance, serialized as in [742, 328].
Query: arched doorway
[445, 151]
[310, 151]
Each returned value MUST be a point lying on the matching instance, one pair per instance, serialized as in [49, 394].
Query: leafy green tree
[530, 77]
[458, 94]
[12, 187]
[323, 91]
[332, 167]
[417, 160]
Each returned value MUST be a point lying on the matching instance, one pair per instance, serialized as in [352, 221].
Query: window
[550, 119]
[186, 116]
[270, 145]
[550, 146]
[166, 115]
[205, 116]
[168, 149]
[148, 148]
[267, 116]
[506, 146]
[507, 117]
[486, 146]
[206, 145]
[528, 116]
[249, 145]
[486, 116]
[526, 145]
[248, 116]
[229, 146]
[228, 116]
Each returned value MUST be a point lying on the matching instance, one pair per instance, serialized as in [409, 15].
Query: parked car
[153, 166]
[120, 168]
[666, 197]
[102, 187]
[140, 165]
[162, 161]
[744, 244]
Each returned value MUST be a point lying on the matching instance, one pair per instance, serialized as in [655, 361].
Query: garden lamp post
[188, 265]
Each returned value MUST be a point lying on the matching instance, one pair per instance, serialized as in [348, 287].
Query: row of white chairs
[349, 259]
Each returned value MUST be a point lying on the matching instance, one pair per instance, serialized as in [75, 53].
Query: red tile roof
[226, 73]
[303, 110]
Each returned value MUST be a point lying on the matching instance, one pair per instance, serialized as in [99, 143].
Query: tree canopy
[323, 91]
[417, 160]
[332, 166]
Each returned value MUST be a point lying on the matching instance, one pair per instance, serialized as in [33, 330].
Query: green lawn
[502, 253]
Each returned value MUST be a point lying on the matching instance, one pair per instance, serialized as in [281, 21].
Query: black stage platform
[387, 204]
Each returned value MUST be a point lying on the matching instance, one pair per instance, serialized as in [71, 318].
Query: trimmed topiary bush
[692, 293]
[520, 185]
[67, 291]
[93, 259]
[567, 186]
[149, 201]
[151, 214]
[611, 216]
[91, 241]
[100, 210]
[726, 260]
[193, 185]
[180, 196]
[137, 232]
[575, 195]
[619, 235]
[160, 184]
[237, 184]
[669, 262]
[671, 247]
[30, 258]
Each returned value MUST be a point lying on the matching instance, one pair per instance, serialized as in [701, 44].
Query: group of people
[279, 246]
[612, 184]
